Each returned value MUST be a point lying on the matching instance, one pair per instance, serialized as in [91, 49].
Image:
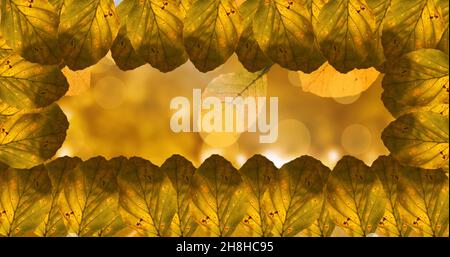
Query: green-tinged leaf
[89, 201]
[323, 226]
[147, 198]
[24, 199]
[29, 85]
[345, 32]
[296, 193]
[443, 42]
[180, 172]
[376, 55]
[218, 196]
[418, 80]
[211, 32]
[284, 32]
[117, 164]
[53, 223]
[241, 83]
[411, 25]
[419, 139]
[356, 200]
[30, 28]
[248, 51]
[86, 31]
[30, 138]
[388, 171]
[423, 200]
[257, 173]
[5, 50]
[155, 30]
[122, 51]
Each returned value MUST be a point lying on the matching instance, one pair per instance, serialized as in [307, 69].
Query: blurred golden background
[112, 113]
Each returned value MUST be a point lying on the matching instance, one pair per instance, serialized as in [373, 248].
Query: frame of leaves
[400, 195]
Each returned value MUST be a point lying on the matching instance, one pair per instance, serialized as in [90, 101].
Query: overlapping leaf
[248, 50]
[257, 174]
[122, 51]
[345, 32]
[423, 199]
[180, 172]
[355, 197]
[324, 225]
[211, 32]
[417, 81]
[29, 138]
[411, 25]
[24, 199]
[30, 28]
[5, 50]
[6, 111]
[388, 171]
[443, 42]
[29, 85]
[284, 32]
[296, 193]
[147, 198]
[155, 30]
[53, 223]
[218, 197]
[419, 139]
[86, 31]
[89, 200]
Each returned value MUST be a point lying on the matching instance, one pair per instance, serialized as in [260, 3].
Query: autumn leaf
[25, 197]
[376, 56]
[345, 33]
[29, 85]
[5, 50]
[218, 197]
[30, 138]
[147, 198]
[240, 83]
[324, 225]
[30, 28]
[184, 6]
[355, 196]
[257, 174]
[411, 25]
[248, 51]
[296, 193]
[211, 32]
[423, 199]
[86, 31]
[53, 223]
[326, 81]
[122, 51]
[417, 81]
[388, 171]
[155, 30]
[6, 111]
[443, 42]
[180, 172]
[284, 32]
[89, 200]
[419, 139]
